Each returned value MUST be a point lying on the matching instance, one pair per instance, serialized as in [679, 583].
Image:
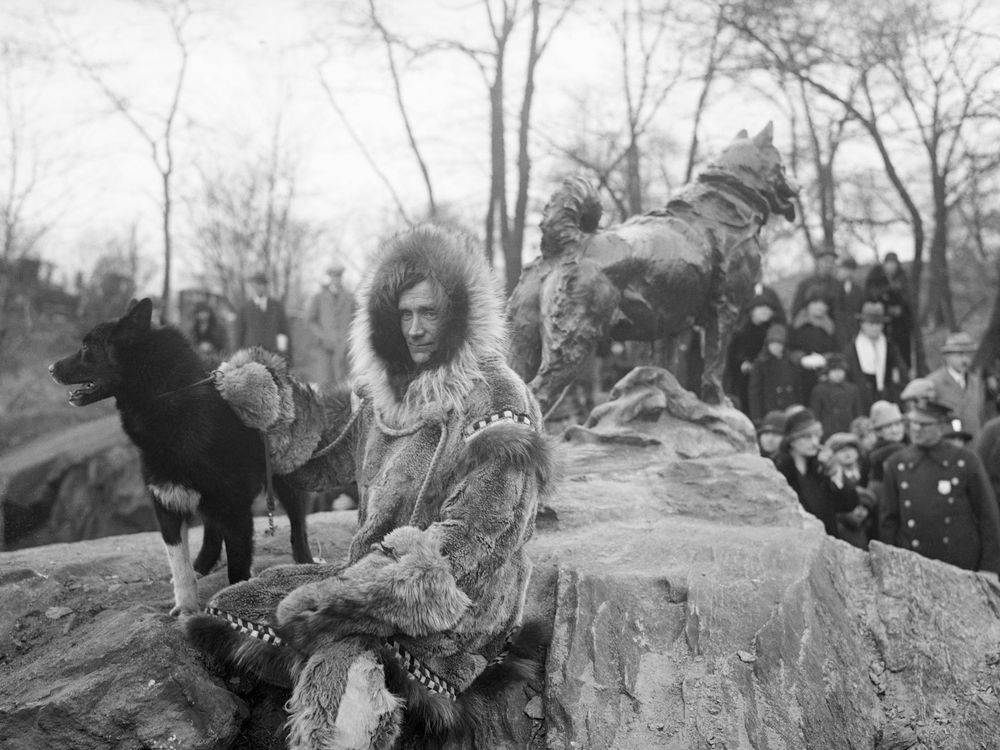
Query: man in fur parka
[446, 445]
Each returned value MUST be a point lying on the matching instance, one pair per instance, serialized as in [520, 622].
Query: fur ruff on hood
[474, 330]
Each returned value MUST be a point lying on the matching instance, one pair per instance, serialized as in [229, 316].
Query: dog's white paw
[184, 609]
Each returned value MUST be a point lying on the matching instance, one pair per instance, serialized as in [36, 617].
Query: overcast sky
[251, 62]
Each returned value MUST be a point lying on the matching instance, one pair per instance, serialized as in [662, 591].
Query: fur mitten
[404, 586]
[265, 396]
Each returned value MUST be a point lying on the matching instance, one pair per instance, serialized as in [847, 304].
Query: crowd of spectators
[871, 451]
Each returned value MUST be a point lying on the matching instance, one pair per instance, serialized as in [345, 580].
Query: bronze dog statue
[692, 264]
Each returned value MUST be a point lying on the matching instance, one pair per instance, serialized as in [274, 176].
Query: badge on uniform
[944, 486]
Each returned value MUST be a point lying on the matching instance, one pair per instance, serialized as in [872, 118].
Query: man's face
[826, 265]
[872, 329]
[776, 348]
[259, 288]
[844, 273]
[959, 361]
[837, 375]
[421, 316]
[761, 314]
[817, 308]
[925, 431]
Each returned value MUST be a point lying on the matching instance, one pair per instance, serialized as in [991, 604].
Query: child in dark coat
[774, 380]
[835, 401]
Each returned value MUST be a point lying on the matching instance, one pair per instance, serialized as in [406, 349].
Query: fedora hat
[958, 343]
[259, 277]
[872, 312]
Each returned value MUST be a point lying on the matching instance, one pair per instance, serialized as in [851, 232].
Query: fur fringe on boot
[341, 701]
[438, 719]
[233, 649]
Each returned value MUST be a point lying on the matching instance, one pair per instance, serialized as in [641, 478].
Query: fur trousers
[340, 702]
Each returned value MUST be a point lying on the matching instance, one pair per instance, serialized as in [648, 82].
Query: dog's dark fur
[196, 453]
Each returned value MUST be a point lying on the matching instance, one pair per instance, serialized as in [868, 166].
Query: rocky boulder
[693, 606]
[81, 483]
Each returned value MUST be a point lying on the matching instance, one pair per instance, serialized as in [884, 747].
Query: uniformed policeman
[937, 498]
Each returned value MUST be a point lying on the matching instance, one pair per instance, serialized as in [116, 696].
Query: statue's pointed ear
[742, 134]
[766, 136]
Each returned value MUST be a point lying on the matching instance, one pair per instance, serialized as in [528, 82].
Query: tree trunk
[706, 83]
[167, 248]
[515, 251]
[496, 215]
[941, 311]
[633, 176]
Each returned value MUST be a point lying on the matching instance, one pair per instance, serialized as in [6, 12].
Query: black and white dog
[197, 455]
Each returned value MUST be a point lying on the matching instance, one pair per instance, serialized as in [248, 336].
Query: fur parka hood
[474, 331]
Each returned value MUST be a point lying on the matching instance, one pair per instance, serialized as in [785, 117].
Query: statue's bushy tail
[572, 212]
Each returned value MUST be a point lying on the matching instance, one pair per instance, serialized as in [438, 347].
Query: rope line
[320, 452]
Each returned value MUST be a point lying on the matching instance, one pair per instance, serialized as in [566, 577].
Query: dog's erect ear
[137, 318]
[765, 137]
[131, 303]
[742, 134]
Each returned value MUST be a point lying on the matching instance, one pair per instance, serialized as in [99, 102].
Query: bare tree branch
[359, 142]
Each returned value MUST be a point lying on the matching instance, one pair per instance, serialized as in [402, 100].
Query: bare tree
[825, 134]
[505, 18]
[157, 131]
[719, 48]
[22, 170]
[923, 72]
[616, 159]
[390, 44]
[247, 220]
[658, 43]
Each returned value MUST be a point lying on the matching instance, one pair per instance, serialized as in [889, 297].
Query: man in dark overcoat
[850, 298]
[874, 363]
[823, 283]
[262, 321]
[937, 499]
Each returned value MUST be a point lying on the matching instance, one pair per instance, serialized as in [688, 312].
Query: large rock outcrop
[693, 605]
[81, 483]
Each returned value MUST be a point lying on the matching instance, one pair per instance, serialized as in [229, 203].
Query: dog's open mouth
[84, 394]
